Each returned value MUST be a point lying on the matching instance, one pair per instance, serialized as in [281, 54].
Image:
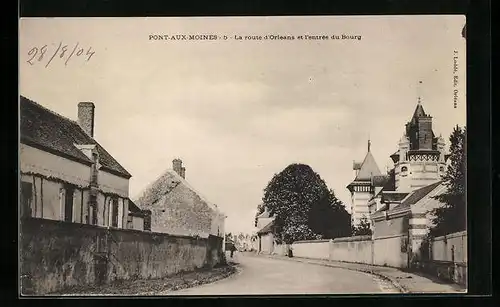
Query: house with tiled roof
[66, 174]
[177, 208]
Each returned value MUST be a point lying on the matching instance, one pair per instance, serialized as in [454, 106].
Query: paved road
[261, 275]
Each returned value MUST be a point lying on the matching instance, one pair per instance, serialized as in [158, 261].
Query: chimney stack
[178, 168]
[86, 117]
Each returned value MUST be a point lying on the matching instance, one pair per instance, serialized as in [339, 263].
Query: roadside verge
[151, 287]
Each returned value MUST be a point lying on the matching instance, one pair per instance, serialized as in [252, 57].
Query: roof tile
[417, 195]
[46, 129]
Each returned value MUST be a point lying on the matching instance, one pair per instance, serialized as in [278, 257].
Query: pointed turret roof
[419, 112]
[369, 168]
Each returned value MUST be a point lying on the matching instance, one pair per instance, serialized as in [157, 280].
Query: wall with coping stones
[56, 254]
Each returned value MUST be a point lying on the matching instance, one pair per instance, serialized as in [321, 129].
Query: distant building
[67, 175]
[266, 240]
[254, 242]
[178, 209]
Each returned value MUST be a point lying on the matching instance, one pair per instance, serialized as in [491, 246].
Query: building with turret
[419, 162]
[368, 181]
[420, 159]
[399, 205]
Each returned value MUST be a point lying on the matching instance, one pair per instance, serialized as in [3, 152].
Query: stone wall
[446, 258]
[452, 247]
[390, 246]
[313, 249]
[281, 249]
[384, 251]
[357, 249]
[56, 254]
[391, 251]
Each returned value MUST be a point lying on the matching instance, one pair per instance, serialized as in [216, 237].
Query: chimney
[178, 168]
[86, 117]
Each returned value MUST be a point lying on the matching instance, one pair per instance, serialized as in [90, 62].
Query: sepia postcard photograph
[222, 156]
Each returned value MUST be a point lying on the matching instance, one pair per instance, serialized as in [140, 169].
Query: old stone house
[66, 175]
[178, 209]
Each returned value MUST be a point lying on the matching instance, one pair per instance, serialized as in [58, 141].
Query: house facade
[265, 237]
[178, 209]
[65, 174]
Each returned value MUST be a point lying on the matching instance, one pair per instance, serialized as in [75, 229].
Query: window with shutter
[93, 210]
[26, 199]
[68, 204]
[114, 218]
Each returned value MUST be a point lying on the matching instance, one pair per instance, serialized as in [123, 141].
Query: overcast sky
[237, 112]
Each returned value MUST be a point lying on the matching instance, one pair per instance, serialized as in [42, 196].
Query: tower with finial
[419, 92]
[362, 187]
[420, 160]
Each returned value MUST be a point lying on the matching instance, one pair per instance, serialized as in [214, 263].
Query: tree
[451, 217]
[363, 228]
[328, 217]
[302, 206]
[229, 236]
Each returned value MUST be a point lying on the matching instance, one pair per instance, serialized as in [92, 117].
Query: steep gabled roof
[417, 195]
[419, 111]
[163, 185]
[132, 207]
[267, 229]
[51, 132]
[368, 169]
[393, 196]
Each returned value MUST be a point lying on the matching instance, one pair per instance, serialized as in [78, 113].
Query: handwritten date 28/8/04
[62, 51]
